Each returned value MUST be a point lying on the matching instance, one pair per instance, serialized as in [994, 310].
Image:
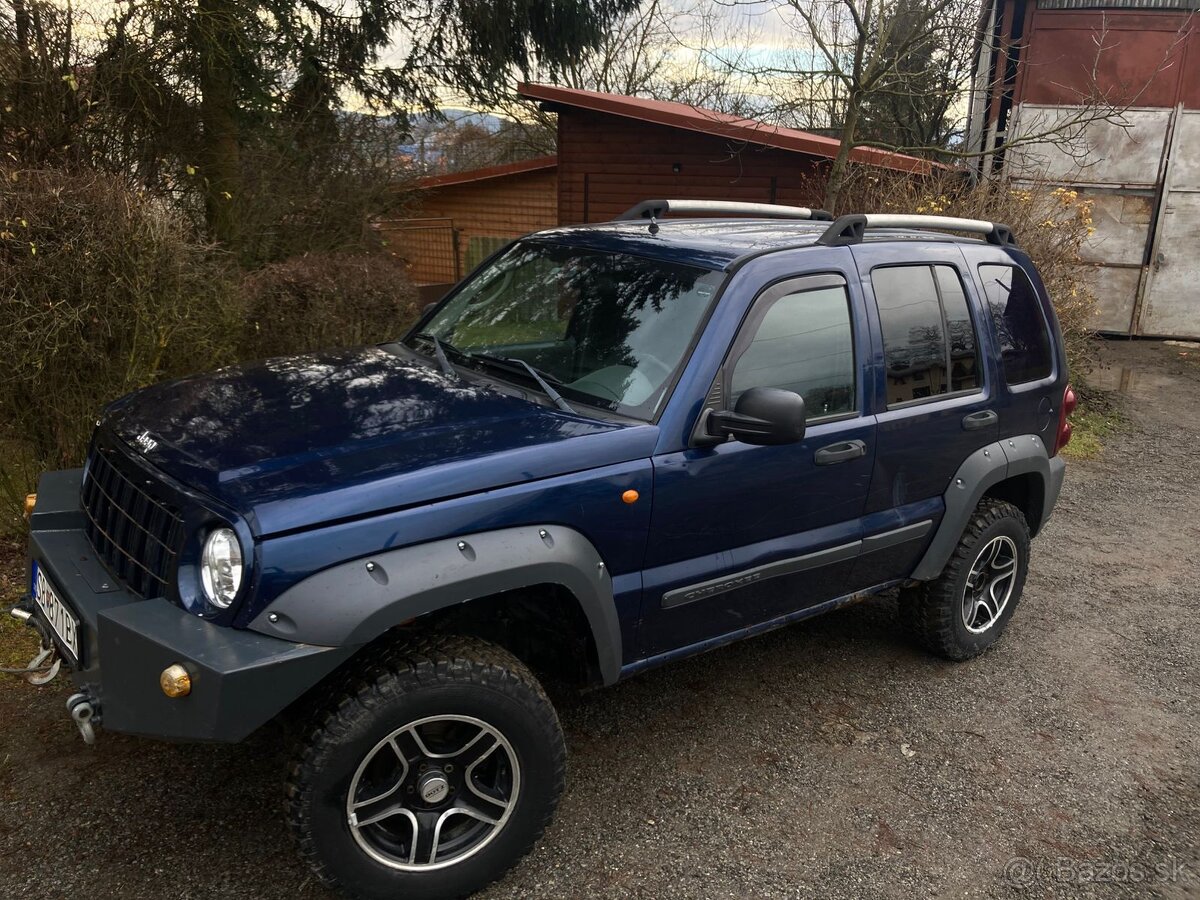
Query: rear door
[740, 534]
[934, 404]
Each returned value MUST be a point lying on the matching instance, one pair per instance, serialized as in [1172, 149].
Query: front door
[741, 535]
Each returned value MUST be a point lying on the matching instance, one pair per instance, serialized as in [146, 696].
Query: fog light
[175, 681]
[30, 503]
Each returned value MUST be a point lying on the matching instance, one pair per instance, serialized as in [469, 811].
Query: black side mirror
[766, 416]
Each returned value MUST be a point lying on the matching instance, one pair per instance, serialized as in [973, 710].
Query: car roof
[715, 243]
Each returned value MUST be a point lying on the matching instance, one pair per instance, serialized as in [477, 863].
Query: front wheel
[430, 775]
[965, 609]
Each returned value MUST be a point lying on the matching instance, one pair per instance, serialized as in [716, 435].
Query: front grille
[136, 535]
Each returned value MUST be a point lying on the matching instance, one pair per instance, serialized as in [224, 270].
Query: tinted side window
[914, 343]
[804, 344]
[929, 340]
[1018, 322]
[964, 350]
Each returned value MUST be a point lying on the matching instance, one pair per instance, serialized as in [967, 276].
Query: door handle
[842, 451]
[981, 419]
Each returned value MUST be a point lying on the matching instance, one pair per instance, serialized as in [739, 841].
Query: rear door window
[1018, 322]
[929, 339]
[960, 331]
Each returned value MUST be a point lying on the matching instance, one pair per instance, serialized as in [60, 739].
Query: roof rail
[653, 209]
[850, 229]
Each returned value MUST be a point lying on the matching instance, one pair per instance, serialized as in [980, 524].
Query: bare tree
[924, 106]
[854, 65]
[893, 75]
[686, 51]
[665, 50]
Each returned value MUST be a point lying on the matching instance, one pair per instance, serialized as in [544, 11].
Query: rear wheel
[964, 610]
[429, 775]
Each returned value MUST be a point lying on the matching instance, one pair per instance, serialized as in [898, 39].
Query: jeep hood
[297, 441]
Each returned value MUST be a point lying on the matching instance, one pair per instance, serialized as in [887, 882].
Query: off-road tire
[432, 676]
[932, 612]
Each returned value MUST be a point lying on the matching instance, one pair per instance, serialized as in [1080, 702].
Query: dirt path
[829, 759]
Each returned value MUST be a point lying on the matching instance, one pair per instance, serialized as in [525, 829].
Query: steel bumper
[240, 679]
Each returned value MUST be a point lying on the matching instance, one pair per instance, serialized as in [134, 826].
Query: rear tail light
[1069, 402]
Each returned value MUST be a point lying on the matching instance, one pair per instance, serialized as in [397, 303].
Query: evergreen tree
[913, 105]
[194, 83]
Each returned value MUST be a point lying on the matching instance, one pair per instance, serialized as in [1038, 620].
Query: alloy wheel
[989, 584]
[433, 793]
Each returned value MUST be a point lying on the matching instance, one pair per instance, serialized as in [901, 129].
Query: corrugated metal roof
[539, 164]
[708, 121]
[1118, 4]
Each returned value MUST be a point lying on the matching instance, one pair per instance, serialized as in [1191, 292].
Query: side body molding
[354, 602]
[985, 467]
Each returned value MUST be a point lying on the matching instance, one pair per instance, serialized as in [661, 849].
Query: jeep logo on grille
[144, 442]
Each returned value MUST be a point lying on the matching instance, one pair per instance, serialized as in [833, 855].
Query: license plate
[56, 613]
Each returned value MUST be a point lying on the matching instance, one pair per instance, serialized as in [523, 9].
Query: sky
[751, 30]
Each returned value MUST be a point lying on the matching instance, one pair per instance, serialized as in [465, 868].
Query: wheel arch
[1026, 491]
[1017, 469]
[543, 625]
[462, 580]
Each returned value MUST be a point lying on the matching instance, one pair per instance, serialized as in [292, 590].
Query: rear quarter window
[1020, 326]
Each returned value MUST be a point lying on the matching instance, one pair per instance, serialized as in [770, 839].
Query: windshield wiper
[440, 352]
[543, 383]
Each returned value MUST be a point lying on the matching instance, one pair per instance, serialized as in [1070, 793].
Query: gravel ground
[828, 759]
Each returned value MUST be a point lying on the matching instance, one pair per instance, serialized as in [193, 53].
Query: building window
[1018, 322]
[929, 340]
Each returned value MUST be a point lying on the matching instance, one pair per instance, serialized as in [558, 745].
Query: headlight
[221, 567]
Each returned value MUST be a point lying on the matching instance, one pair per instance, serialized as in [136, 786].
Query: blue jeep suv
[610, 447]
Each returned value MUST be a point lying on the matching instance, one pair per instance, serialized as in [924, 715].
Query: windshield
[606, 329]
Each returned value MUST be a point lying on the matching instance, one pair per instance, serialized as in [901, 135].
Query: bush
[325, 300]
[1050, 224]
[102, 290]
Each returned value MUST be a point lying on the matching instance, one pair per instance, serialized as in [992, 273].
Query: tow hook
[86, 712]
[44, 667]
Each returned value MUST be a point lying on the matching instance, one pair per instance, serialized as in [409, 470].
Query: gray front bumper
[240, 679]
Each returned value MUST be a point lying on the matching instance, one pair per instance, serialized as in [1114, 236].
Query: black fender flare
[984, 468]
[355, 602]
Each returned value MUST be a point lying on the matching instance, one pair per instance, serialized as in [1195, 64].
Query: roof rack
[850, 229]
[654, 209]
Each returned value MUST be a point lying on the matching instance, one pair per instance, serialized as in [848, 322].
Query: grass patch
[1092, 425]
[18, 642]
